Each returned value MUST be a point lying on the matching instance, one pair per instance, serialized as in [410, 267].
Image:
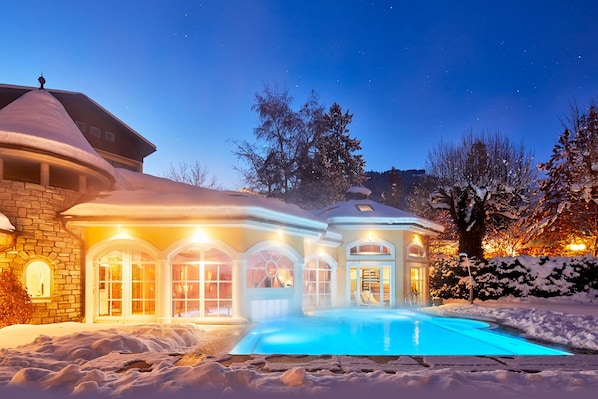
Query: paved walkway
[398, 364]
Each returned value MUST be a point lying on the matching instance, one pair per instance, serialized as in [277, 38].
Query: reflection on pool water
[382, 332]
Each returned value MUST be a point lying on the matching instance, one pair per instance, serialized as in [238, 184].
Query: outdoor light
[200, 237]
[577, 247]
[7, 233]
[7, 239]
[371, 237]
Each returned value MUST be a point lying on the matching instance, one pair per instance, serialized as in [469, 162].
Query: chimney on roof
[42, 81]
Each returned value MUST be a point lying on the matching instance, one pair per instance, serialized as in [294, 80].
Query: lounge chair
[368, 298]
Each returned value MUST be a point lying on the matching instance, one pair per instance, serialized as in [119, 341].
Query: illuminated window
[317, 283]
[369, 249]
[364, 207]
[202, 283]
[38, 279]
[269, 269]
[416, 248]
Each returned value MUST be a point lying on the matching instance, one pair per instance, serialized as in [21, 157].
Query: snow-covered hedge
[519, 277]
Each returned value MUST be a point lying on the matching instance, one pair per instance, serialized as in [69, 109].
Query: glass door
[370, 285]
[416, 286]
[126, 282]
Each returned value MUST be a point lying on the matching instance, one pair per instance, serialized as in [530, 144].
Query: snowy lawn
[190, 361]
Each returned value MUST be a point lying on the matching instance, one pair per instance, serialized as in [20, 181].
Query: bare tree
[194, 174]
[484, 183]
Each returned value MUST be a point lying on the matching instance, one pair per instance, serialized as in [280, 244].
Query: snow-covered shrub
[15, 302]
[582, 274]
[518, 277]
[487, 283]
[444, 278]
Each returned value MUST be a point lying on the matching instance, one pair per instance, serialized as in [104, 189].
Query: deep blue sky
[184, 73]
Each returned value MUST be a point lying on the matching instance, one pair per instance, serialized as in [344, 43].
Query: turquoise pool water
[382, 332]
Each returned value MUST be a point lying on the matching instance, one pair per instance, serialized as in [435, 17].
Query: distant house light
[364, 207]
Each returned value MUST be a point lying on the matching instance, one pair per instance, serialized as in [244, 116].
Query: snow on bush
[518, 277]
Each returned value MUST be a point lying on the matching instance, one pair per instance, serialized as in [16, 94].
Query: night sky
[184, 73]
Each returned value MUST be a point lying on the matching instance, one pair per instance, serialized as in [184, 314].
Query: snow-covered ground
[94, 360]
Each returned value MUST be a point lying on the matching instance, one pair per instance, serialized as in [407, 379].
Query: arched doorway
[371, 274]
[125, 284]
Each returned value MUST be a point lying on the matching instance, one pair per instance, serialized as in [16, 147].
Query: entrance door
[370, 285]
[126, 280]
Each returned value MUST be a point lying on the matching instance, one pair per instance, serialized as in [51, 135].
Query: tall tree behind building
[306, 157]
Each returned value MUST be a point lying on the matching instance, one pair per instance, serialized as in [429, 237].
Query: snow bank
[140, 361]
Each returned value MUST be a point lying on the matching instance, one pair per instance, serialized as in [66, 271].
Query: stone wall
[32, 209]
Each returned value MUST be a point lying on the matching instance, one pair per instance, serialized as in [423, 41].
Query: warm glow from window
[416, 240]
[364, 207]
[369, 249]
[416, 247]
[38, 276]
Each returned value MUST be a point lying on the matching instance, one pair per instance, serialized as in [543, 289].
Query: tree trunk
[470, 242]
[471, 237]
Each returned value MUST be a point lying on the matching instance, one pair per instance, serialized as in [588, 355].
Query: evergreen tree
[568, 208]
[396, 192]
[334, 166]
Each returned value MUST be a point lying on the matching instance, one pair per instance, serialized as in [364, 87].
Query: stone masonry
[32, 209]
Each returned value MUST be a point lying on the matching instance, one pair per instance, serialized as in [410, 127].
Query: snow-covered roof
[146, 198]
[5, 224]
[367, 212]
[37, 120]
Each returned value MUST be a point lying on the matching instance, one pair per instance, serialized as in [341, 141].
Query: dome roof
[360, 212]
[38, 121]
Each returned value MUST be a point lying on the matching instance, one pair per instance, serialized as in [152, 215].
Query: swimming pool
[382, 332]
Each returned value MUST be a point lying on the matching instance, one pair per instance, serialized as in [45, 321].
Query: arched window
[38, 279]
[416, 248]
[370, 249]
[270, 268]
[202, 283]
[317, 283]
